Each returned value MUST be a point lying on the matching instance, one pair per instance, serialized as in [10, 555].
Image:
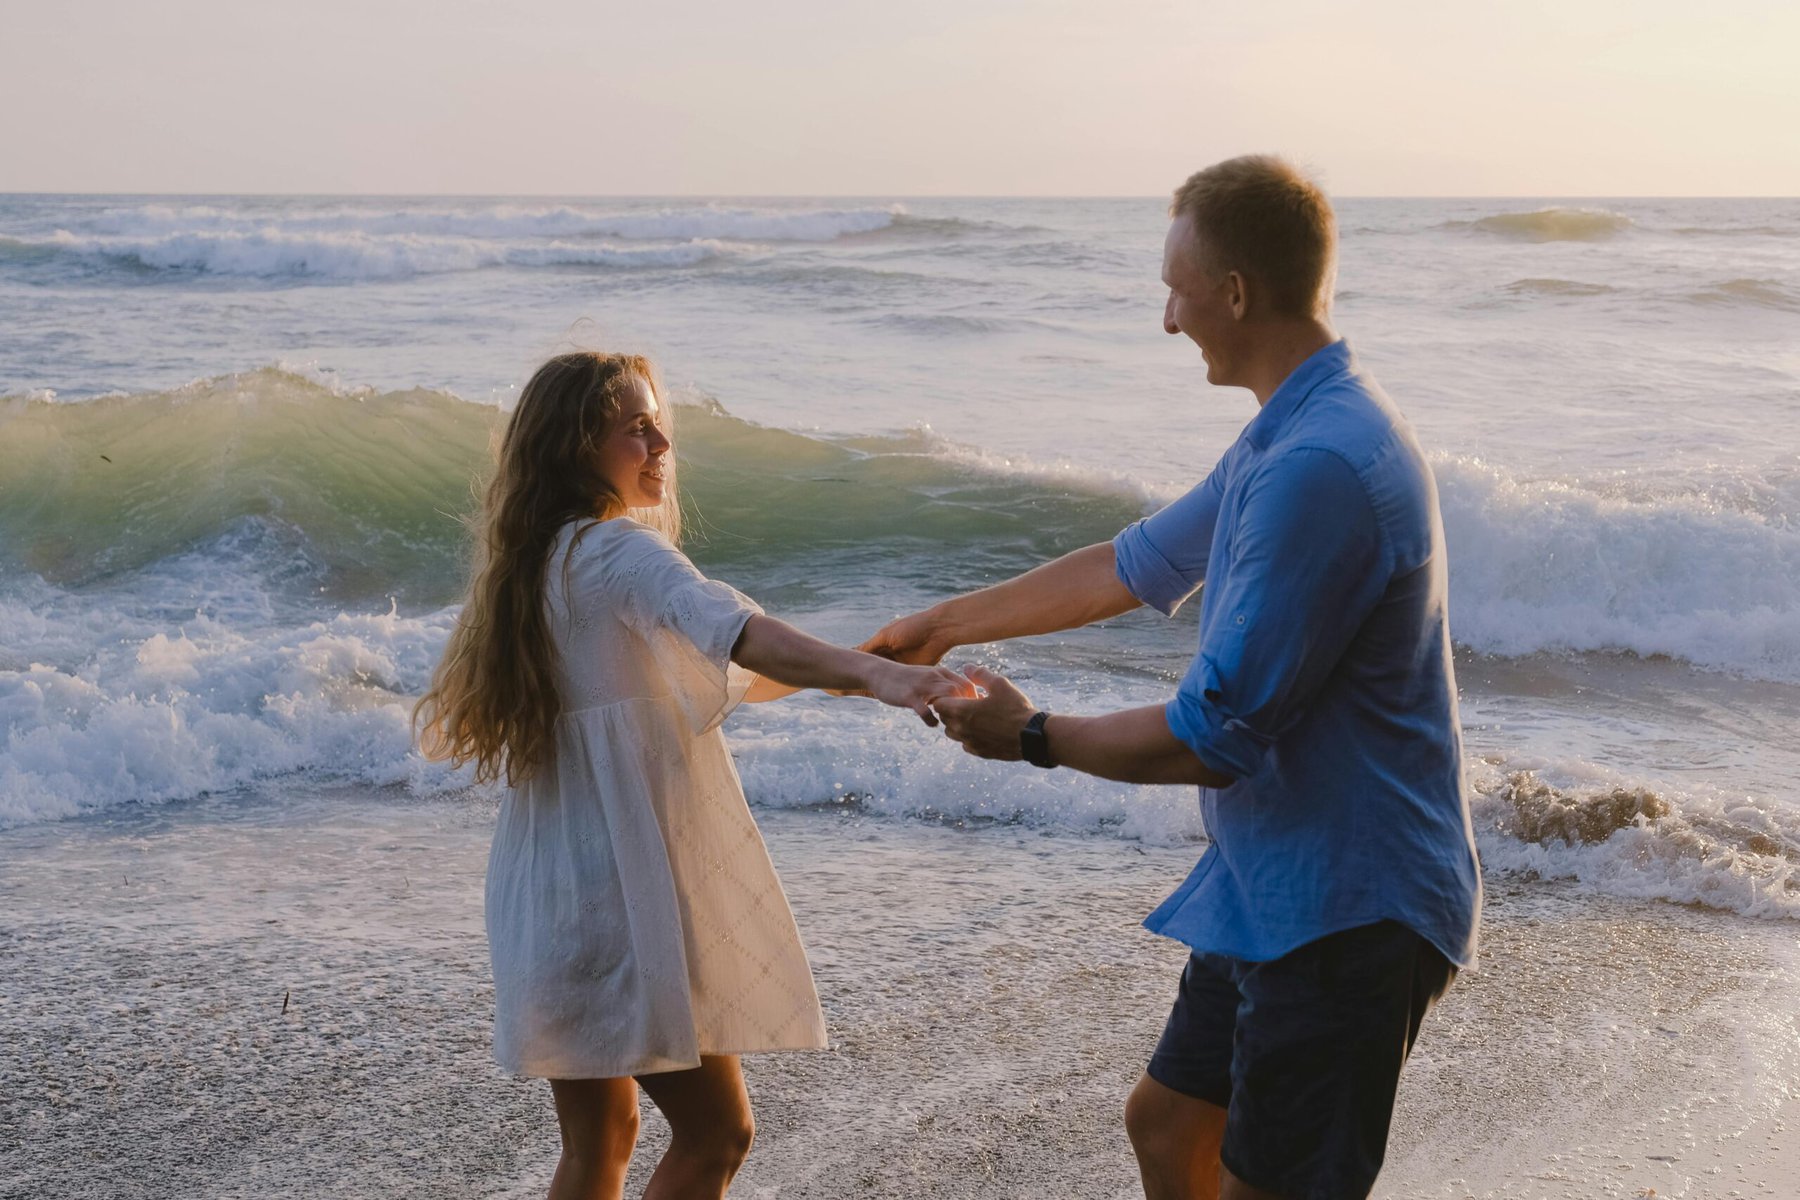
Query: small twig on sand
[285, 997]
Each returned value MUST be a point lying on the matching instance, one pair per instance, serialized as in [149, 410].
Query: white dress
[634, 919]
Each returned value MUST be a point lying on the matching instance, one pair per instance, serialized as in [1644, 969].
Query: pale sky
[898, 98]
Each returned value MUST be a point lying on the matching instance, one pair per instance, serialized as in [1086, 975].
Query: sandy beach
[285, 992]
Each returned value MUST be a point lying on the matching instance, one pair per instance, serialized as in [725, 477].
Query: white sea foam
[812, 751]
[507, 221]
[105, 704]
[273, 253]
[1550, 566]
[208, 706]
[1624, 836]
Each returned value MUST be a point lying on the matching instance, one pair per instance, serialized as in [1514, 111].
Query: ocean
[237, 435]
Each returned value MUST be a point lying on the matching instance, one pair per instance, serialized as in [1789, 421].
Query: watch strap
[1034, 743]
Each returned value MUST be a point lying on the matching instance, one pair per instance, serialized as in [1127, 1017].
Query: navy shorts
[1304, 1053]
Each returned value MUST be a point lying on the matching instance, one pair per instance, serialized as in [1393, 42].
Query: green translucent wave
[373, 486]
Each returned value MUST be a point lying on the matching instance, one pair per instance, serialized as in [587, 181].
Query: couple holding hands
[639, 935]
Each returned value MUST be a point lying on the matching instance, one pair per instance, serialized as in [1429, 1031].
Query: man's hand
[988, 727]
[1133, 746]
[919, 639]
[1079, 588]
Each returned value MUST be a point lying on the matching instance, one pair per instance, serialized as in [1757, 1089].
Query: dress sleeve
[689, 622]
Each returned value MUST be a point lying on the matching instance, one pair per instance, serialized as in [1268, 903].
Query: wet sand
[286, 993]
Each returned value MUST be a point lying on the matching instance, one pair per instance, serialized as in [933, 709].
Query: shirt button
[1240, 620]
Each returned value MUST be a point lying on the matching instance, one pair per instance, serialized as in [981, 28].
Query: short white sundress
[634, 919]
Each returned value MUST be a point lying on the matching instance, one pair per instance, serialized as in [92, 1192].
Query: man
[1340, 891]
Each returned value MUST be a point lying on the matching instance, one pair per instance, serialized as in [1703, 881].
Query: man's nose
[1169, 325]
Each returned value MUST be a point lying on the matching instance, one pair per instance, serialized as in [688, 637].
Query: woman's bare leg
[709, 1116]
[599, 1120]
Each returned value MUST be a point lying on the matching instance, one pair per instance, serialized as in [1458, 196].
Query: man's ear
[1237, 294]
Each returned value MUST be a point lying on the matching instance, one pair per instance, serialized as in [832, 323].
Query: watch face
[1034, 746]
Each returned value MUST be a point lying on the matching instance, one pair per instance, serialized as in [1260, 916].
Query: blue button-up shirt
[1323, 685]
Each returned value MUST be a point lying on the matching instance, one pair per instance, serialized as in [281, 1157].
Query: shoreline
[286, 992]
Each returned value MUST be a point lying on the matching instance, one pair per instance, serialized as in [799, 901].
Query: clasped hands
[981, 710]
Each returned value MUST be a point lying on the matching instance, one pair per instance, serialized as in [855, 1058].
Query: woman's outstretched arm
[790, 660]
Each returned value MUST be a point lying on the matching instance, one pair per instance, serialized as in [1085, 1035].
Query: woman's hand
[779, 652]
[916, 688]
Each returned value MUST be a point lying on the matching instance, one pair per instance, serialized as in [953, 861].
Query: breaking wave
[1551, 225]
[1549, 566]
[273, 254]
[1557, 287]
[367, 487]
[253, 575]
[507, 221]
[1757, 293]
[1625, 838]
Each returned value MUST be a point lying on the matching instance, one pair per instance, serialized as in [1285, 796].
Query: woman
[638, 932]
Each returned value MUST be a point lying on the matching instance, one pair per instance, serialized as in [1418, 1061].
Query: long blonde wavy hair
[493, 700]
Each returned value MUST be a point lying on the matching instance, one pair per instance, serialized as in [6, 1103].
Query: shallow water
[285, 991]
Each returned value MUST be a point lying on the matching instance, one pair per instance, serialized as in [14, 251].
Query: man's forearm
[1134, 746]
[1077, 589]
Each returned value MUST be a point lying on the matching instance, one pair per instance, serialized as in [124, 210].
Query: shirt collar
[1322, 364]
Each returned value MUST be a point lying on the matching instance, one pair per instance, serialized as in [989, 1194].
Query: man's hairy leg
[1177, 1140]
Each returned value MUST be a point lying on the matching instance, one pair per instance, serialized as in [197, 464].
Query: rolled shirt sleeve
[1306, 570]
[1162, 559]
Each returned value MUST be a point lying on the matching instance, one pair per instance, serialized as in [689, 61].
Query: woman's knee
[620, 1129]
[597, 1117]
[722, 1145]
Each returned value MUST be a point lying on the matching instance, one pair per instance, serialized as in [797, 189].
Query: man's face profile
[1199, 304]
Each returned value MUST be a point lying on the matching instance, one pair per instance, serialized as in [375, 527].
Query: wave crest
[364, 487]
[1551, 225]
[1557, 287]
[275, 254]
[1626, 839]
[509, 221]
[1546, 566]
[1758, 293]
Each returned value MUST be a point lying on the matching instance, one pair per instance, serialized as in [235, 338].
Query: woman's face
[635, 454]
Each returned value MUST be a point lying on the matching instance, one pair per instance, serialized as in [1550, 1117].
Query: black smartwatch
[1034, 745]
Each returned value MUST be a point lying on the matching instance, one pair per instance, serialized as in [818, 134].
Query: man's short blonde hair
[1259, 216]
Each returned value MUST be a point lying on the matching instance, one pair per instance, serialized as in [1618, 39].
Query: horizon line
[878, 196]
